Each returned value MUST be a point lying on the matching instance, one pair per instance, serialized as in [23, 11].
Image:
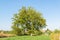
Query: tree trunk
[31, 34]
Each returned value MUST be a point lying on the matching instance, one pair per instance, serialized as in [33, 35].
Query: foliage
[57, 31]
[48, 31]
[28, 19]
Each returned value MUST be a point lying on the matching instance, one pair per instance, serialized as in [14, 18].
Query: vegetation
[55, 36]
[48, 32]
[56, 31]
[43, 37]
[28, 20]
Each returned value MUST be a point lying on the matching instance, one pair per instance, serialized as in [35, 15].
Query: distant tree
[48, 31]
[28, 19]
[0, 31]
[56, 31]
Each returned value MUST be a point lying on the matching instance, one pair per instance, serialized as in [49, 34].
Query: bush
[34, 33]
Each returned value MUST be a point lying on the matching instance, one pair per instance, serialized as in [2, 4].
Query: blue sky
[49, 8]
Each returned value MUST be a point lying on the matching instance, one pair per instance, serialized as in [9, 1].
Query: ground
[42, 37]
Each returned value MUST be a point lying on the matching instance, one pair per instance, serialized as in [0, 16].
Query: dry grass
[6, 35]
[55, 36]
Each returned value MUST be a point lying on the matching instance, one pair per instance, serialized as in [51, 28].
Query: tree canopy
[28, 19]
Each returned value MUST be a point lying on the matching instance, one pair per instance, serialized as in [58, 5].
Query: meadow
[42, 37]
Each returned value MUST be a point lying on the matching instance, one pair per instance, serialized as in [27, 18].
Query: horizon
[50, 10]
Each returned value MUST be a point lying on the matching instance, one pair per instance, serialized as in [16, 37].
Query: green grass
[27, 38]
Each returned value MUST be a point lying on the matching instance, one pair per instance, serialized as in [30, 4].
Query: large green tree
[28, 19]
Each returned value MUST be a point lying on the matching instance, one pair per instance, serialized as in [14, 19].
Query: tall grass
[55, 36]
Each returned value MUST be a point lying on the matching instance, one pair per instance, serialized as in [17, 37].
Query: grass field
[27, 38]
